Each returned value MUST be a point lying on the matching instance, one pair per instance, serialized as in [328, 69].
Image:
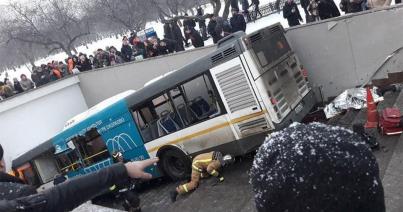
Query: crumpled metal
[351, 98]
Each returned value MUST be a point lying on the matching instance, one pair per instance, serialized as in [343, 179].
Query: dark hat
[1, 152]
[316, 167]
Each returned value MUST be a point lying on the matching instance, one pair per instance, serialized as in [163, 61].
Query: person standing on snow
[203, 166]
[316, 167]
[237, 21]
[291, 13]
[214, 29]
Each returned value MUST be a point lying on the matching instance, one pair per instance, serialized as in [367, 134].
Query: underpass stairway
[390, 154]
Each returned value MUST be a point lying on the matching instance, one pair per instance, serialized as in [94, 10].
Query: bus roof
[230, 50]
[97, 108]
[33, 153]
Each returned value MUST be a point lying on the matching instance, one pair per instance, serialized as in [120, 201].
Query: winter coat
[139, 49]
[291, 13]
[189, 23]
[27, 84]
[43, 77]
[35, 78]
[195, 37]
[212, 30]
[171, 44]
[162, 49]
[316, 167]
[200, 13]
[55, 75]
[328, 9]
[84, 66]
[177, 35]
[350, 7]
[70, 65]
[17, 87]
[238, 23]
[72, 193]
[127, 53]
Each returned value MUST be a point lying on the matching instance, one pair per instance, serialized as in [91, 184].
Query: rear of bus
[263, 88]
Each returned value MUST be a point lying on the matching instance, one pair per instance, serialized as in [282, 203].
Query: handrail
[96, 154]
[92, 156]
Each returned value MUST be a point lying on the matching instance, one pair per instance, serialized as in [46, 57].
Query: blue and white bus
[229, 101]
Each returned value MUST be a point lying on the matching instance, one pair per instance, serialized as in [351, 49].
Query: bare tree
[49, 23]
[119, 16]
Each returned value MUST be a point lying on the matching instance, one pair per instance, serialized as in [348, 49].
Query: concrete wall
[32, 118]
[100, 84]
[344, 52]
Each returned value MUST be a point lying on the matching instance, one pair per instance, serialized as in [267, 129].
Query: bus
[228, 101]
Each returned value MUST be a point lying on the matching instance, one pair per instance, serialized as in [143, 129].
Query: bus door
[239, 98]
[122, 135]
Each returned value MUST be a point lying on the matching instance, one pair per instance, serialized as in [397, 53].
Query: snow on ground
[158, 27]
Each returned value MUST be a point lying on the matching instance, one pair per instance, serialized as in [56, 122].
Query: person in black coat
[350, 7]
[291, 13]
[197, 40]
[245, 9]
[177, 36]
[328, 9]
[212, 29]
[70, 194]
[257, 10]
[202, 23]
[84, 64]
[126, 50]
[237, 21]
[316, 167]
[17, 86]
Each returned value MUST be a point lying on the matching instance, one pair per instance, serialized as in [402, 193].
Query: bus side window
[157, 118]
[197, 100]
[94, 148]
[67, 160]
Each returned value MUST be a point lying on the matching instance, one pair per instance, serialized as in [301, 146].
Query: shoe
[173, 195]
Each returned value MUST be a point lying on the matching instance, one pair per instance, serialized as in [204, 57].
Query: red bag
[390, 121]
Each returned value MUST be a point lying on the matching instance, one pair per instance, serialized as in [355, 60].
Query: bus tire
[175, 164]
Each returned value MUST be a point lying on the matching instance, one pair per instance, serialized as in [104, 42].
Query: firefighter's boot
[173, 195]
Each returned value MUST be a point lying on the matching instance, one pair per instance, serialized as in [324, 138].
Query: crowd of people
[133, 48]
[316, 10]
[175, 39]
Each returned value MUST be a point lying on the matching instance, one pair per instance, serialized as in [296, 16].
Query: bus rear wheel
[176, 164]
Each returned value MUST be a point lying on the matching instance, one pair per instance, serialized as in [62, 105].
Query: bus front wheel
[176, 164]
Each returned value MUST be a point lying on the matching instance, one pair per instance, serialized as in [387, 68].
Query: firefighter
[203, 166]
